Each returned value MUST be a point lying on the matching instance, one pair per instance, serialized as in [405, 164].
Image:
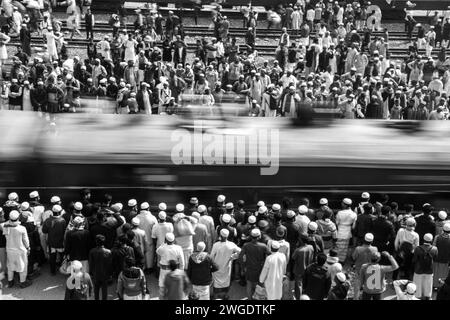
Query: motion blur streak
[135, 151]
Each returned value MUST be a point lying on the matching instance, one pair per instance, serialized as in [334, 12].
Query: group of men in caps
[274, 251]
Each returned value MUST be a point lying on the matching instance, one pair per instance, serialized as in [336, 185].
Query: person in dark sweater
[77, 243]
[383, 231]
[317, 281]
[252, 257]
[424, 222]
[199, 271]
[119, 253]
[100, 267]
[55, 228]
[176, 283]
[106, 224]
[131, 284]
[363, 224]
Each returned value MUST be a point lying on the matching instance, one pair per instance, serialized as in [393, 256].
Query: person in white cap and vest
[77, 243]
[273, 273]
[406, 241]
[200, 230]
[373, 276]
[302, 219]
[440, 222]
[17, 249]
[223, 253]
[131, 211]
[405, 290]
[200, 269]
[340, 290]
[442, 261]
[218, 210]
[365, 198]
[362, 255]
[423, 259]
[167, 252]
[147, 221]
[55, 228]
[79, 284]
[160, 229]
[345, 220]
[252, 258]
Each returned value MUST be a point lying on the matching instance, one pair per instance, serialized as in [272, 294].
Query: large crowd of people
[146, 66]
[197, 250]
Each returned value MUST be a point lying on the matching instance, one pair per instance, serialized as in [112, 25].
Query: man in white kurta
[223, 253]
[166, 252]
[345, 219]
[17, 248]
[273, 272]
[147, 221]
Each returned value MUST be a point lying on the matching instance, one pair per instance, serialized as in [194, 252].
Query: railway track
[264, 50]
[263, 35]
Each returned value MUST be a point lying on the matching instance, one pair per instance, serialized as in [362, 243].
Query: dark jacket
[119, 253]
[383, 233]
[253, 255]
[419, 261]
[106, 228]
[316, 282]
[77, 244]
[200, 269]
[292, 234]
[363, 225]
[100, 263]
[55, 227]
[424, 225]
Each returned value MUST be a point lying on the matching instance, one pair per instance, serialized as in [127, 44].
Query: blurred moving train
[135, 152]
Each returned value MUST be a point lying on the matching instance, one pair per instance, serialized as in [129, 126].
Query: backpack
[427, 259]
